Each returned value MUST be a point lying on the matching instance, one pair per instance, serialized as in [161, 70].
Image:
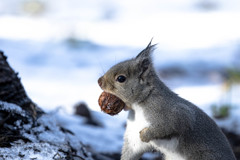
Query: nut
[110, 104]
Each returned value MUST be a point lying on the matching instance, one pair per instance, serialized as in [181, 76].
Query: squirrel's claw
[144, 136]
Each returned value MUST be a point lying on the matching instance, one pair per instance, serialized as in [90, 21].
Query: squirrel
[158, 118]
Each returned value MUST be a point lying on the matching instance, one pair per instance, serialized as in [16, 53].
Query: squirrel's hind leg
[133, 151]
[128, 152]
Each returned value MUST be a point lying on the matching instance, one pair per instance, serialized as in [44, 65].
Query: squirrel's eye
[121, 79]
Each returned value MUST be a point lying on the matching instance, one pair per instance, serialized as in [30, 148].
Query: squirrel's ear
[146, 53]
[144, 60]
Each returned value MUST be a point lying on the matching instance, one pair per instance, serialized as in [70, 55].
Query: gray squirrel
[158, 118]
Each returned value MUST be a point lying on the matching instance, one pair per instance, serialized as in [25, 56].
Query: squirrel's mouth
[126, 108]
[100, 82]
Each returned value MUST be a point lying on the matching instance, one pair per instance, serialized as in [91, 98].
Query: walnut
[110, 104]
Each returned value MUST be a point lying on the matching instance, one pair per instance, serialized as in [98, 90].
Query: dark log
[22, 121]
[11, 89]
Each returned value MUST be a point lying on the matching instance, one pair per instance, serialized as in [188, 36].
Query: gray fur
[170, 116]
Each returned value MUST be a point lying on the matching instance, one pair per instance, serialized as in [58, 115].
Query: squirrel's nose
[100, 81]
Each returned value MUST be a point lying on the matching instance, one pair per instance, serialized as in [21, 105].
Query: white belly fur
[167, 147]
[133, 129]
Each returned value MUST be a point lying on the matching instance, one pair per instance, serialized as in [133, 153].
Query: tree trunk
[12, 91]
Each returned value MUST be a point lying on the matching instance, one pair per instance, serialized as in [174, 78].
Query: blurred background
[61, 47]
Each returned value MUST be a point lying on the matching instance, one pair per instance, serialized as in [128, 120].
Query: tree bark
[12, 91]
[22, 121]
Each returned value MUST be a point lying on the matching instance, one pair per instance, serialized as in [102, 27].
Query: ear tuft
[144, 61]
[147, 51]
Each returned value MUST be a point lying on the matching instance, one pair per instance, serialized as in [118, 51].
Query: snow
[48, 139]
[201, 95]
[10, 107]
[39, 151]
[97, 137]
[173, 24]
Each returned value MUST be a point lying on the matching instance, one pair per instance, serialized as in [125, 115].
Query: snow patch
[10, 107]
[39, 151]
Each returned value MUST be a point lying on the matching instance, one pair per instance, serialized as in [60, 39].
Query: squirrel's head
[130, 80]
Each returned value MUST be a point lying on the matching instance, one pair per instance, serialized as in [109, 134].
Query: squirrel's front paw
[144, 136]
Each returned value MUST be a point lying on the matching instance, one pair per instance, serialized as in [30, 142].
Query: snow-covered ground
[60, 48]
[44, 140]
